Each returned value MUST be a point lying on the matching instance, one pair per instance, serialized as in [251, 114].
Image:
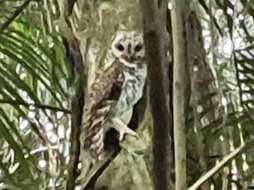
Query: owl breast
[132, 91]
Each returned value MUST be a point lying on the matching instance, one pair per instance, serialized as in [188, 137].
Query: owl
[114, 93]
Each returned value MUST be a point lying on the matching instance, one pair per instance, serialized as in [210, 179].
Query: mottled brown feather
[104, 93]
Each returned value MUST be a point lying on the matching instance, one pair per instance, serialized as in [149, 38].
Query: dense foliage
[36, 89]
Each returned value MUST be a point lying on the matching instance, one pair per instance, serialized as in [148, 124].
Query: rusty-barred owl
[114, 93]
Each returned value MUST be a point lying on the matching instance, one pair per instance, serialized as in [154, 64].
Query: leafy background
[36, 91]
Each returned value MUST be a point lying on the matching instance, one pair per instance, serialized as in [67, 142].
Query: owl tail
[94, 144]
[95, 132]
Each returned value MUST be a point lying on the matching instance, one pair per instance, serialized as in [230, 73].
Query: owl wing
[104, 94]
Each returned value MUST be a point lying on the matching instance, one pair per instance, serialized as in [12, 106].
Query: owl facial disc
[129, 47]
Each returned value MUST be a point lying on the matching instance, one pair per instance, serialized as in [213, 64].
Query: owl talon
[123, 129]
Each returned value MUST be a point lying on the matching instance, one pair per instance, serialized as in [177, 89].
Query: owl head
[128, 47]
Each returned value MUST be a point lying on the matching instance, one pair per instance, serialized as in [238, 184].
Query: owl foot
[122, 128]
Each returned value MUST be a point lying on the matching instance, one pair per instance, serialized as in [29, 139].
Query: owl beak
[130, 58]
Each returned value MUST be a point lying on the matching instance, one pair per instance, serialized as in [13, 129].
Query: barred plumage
[115, 92]
[104, 93]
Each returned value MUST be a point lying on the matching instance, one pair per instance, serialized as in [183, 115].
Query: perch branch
[137, 118]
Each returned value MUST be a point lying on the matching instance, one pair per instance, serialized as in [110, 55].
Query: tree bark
[154, 13]
[179, 81]
[75, 59]
[77, 81]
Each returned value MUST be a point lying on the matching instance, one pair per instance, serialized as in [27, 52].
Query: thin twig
[16, 13]
[222, 163]
[41, 106]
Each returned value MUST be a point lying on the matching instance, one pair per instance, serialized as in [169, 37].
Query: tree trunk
[154, 20]
[179, 74]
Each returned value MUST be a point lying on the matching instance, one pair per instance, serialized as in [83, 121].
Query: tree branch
[136, 120]
[249, 144]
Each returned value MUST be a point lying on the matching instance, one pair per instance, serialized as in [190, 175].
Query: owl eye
[119, 47]
[138, 47]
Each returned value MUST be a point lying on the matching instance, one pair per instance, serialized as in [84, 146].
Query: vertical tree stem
[179, 72]
[153, 14]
